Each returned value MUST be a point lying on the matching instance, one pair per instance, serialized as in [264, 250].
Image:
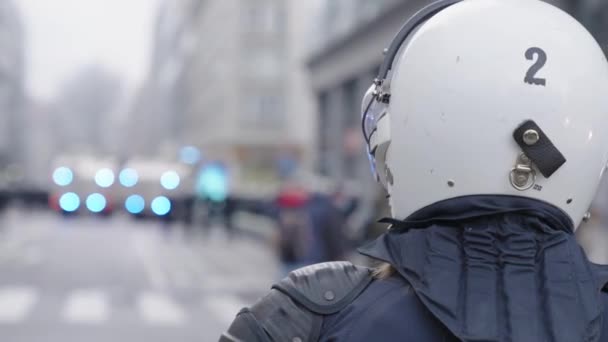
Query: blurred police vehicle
[156, 188]
[83, 184]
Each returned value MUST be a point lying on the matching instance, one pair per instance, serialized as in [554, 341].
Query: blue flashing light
[135, 204]
[63, 176]
[128, 178]
[161, 205]
[104, 178]
[96, 203]
[189, 155]
[170, 180]
[69, 202]
[213, 183]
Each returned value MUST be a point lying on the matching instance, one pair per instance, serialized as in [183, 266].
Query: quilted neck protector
[497, 268]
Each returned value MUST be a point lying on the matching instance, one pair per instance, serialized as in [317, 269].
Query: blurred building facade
[12, 59]
[346, 57]
[229, 78]
[80, 120]
[82, 111]
[251, 106]
[158, 112]
[594, 14]
[343, 63]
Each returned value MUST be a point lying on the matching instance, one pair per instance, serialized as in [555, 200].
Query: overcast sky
[65, 35]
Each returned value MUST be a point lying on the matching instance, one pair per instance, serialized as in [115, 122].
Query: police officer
[487, 126]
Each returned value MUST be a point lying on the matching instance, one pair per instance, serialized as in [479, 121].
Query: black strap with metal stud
[539, 148]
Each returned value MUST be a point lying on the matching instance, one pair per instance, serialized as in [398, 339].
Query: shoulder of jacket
[326, 288]
[295, 307]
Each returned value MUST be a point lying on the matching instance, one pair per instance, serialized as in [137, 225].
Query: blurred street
[183, 156]
[116, 279]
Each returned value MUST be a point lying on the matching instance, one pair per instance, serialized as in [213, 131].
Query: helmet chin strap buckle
[522, 176]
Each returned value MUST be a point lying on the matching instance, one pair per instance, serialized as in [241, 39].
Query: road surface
[116, 279]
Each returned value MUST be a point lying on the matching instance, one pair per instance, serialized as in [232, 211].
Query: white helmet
[490, 97]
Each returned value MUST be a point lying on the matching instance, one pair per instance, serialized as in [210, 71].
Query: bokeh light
[135, 204]
[104, 178]
[161, 205]
[189, 155]
[63, 176]
[170, 180]
[69, 202]
[213, 183]
[96, 203]
[128, 178]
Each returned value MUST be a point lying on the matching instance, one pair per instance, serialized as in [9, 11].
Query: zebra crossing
[16, 303]
[160, 309]
[94, 307]
[86, 306]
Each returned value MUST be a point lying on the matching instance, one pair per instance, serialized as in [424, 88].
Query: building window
[262, 17]
[264, 64]
[264, 111]
[368, 10]
[323, 135]
[169, 72]
[352, 102]
[350, 133]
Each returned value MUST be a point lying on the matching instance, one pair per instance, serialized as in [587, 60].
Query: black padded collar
[465, 208]
[497, 269]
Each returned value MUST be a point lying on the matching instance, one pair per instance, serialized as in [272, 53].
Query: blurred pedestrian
[294, 239]
[491, 158]
[346, 203]
[310, 227]
[329, 224]
[214, 198]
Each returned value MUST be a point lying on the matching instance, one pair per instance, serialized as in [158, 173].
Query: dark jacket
[483, 268]
[328, 229]
[388, 310]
